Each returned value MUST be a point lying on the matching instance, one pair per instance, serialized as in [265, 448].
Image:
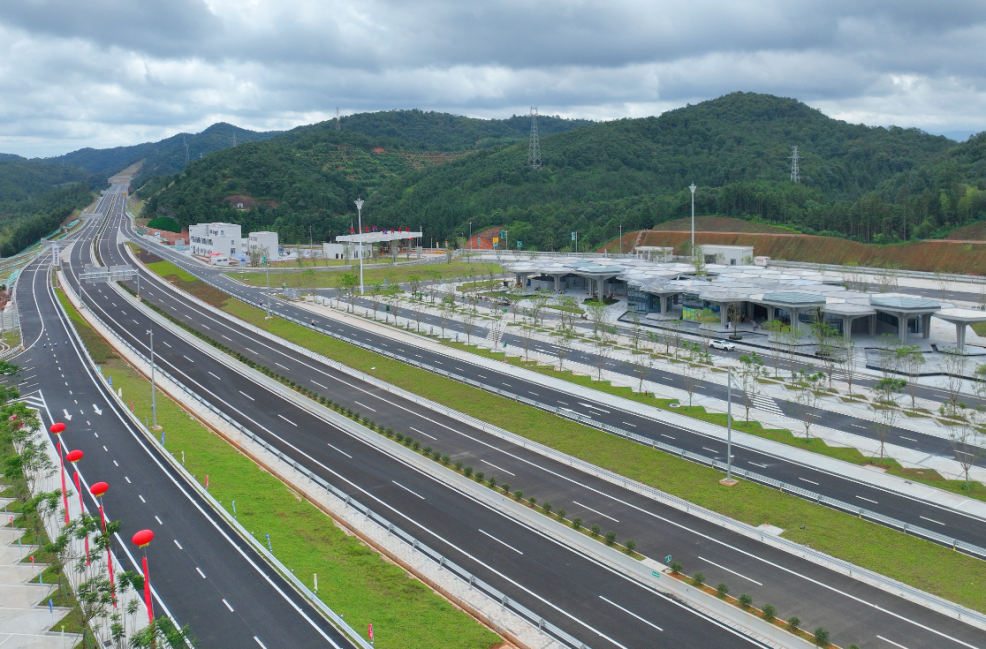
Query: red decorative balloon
[57, 427]
[143, 537]
[99, 489]
[74, 456]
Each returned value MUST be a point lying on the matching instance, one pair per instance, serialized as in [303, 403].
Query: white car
[724, 345]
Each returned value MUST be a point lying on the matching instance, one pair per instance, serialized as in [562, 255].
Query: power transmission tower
[534, 149]
[185, 144]
[234, 138]
[795, 173]
[338, 123]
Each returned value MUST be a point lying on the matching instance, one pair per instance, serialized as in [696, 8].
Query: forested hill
[21, 180]
[311, 175]
[163, 157]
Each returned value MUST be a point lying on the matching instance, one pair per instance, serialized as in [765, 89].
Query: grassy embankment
[353, 579]
[911, 560]
[371, 275]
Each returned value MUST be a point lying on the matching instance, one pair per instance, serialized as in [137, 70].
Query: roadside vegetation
[374, 276]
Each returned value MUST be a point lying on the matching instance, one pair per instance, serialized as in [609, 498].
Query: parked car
[724, 345]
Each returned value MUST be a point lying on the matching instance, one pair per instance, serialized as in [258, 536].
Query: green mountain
[311, 175]
[21, 180]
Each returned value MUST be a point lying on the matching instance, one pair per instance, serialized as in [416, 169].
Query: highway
[853, 611]
[928, 515]
[587, 600]
[202, 573]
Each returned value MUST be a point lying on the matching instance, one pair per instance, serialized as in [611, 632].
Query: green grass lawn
[372, 274]
[353, 579]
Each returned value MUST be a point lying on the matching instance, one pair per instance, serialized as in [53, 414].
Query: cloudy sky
[109, 72]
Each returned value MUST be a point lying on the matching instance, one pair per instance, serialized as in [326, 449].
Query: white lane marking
[217, 376]
[711, 450]
[178, 544]
[932, 520]
[227, 337]
[279, 365]
[421, 432]
[909, 439]
[115, 463]
[728, 570]
[319, 384]
[127, 479]
[629, 424]
[142, 499]
[166, 344]
[364, 405]
[497, 467]
[868, 500]
[228, 606]
[343, 452]
[158, 520]
[631, 613]
[892, 642]
[534, 393]
[407, 490]
[500, 542]
[188, 359]
[249, 350]
[199, 570]
[807, 480]
[104, 446]
[589, 405]
[668, 436]
[262, 645]
[595, 511]
[460, 369]
[481, 376]
[288, 420]
[858, 426]
[564, 403]
[246, 395]
[762, 466]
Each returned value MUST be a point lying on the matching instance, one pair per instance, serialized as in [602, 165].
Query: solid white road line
[228, 606]
[262, 645]
[199, 570]
[408, 490]
[501, 542]
[343, 452]
[288, 420]
[246, 395]
[127, 479]
[807, 480]
[158, 520]
[892, 642]
[421, 432]
[249, 350]
[142, 499]
[631, 613]
[364, 405]
[496, 467]
[932, 520]
[868, 500]
[188, 359]
[215, 375]
[319, 384]
[178, 544]
[728, 570]
[595, 511]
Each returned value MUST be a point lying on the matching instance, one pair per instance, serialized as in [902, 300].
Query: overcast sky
[109, 72]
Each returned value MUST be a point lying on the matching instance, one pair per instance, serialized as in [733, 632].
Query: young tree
[690, 373]
[526, 339]
[446, 310]
[734, 313]
[911, 362]
[350, 287]
[779, 331]
[698, 260]
[563, 347]
[826, 338]
[414, 281]
[468, 323]
[536, 309]
[707, 319]
[516, 305]
[674, 334]
[635, 330]
[849, 363]
[393, 297]
[792, 340]
[641, 364]
[375, 294]
[806, 385]
[888, 392]
[953, 364]
[751, 369]
[968, 440]
[598, 313]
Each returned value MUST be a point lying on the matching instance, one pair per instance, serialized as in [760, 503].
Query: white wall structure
[346, 250]
[208, 238]
[265, 241]
[731, 255]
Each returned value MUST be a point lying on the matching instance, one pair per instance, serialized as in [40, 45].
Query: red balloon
[74, 456]
[57, 428]
[99, 489]
[143, 537]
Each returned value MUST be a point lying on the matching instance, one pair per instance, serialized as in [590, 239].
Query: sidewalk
[24, 617]
[859, 473]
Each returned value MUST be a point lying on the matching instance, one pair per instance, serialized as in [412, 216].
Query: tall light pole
[693, 188]
[729, 481]
[470, 242]
[621, 239]
[150, 332]
[359, 220]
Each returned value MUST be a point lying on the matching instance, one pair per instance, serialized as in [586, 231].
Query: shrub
[769, 612]
[408, 440]
[745, 600]
[630, 546]
[610, 538]
[853, 646]
[436, 455]
[390, 432]
[372, 425]
[794, 623]
[561, 514]
[292, 384]
[822, 637]
[492, 482]
[506, 488]
[446, 459]
[676, 567]
[416, 445]
[349, 412]
[546, 507]
[577, 522]
[532, 500]
[518, 494]
[458, 465]
[595, 529]
[399, 437]
[427, 450]
[699, 579]
[467, 471]
[480, 475]
[722, 590]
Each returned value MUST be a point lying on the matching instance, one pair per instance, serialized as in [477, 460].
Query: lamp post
[470, 242]
[359, 220]
[74, 457]
[98, 490]
[693, 188]
[728, 480]
[150, 332]
[141, 539]
[56, 429]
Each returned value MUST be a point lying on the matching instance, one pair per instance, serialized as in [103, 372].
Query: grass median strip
[354, 580]
[914, 561]
[373, 274]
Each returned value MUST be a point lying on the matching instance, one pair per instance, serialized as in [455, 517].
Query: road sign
[503, 233]
[479, 241]
[667, 559]
[655, 573]
[520, 243]
[496, 240]
[573, 236]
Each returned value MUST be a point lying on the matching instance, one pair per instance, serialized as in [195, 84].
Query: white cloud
[109, 72]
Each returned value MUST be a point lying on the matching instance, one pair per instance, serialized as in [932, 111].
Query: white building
[204, 239]
[346, 250]
[727, 255]
[266, 242]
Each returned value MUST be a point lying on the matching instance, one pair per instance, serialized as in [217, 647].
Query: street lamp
[359, 220]
[470, 242]
[150, 332]
[693, 188]
[729, 481]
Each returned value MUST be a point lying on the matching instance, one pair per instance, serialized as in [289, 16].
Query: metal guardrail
[444, 563]
[959, 612]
